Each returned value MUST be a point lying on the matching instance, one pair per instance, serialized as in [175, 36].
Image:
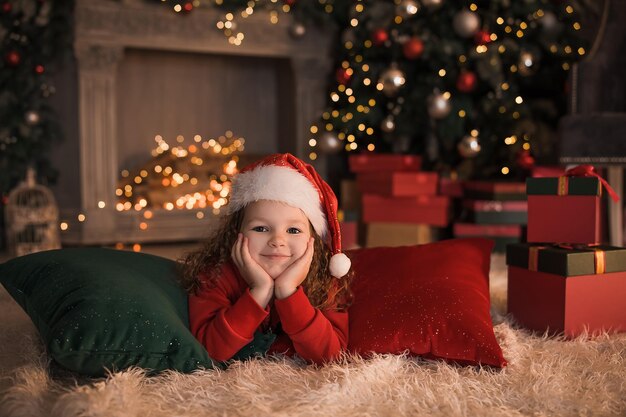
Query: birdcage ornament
[32, 218]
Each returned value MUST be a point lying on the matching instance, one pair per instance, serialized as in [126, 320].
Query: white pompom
[339, 265]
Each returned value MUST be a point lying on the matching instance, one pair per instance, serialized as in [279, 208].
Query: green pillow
[99, 309]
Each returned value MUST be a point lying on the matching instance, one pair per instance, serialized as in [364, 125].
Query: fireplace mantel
[104, 31]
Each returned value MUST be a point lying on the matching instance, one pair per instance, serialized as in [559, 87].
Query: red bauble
[343, 75]
[289, 2]
[39, 69]
[413, 48]
[482, 37]
[525, 160]
[13, 58]
[188, 7]
[6, 7]
[379, 37]
[466, 83]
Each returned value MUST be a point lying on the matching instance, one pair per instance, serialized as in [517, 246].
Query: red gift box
[542, 301]
[575, 219]
[547, 171]
[501, 234]
[567, 209]
[398, 184]
[491, 230]
[494, 190]
[450, 187]
[349, 234]
[371, 162]
[563, 209]
[425, 209]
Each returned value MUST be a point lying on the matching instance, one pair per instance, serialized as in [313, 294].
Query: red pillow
[432, 300]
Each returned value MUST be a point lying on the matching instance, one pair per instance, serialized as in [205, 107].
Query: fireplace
[144, 71]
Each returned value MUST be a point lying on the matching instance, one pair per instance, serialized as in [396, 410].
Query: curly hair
[323, 290]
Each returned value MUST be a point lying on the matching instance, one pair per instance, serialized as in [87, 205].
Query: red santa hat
[285, 178]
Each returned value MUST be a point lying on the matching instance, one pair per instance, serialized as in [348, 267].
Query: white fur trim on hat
[339, 265]
[279, 183]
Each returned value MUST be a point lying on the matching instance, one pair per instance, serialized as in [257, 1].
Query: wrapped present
[496, 212]
[494, 190]
[349, 234]
[566, 209]
[350, 196]
[567, 260]
[450, 187]
[426, 209]
[399, 234]
[567, 290]
[501, 234]
[398, 183]
[371, 162]
[540, 171]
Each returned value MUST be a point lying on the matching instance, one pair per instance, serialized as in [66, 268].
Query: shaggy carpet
[546, 376]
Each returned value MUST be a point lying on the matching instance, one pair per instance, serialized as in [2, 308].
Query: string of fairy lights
[195, 176]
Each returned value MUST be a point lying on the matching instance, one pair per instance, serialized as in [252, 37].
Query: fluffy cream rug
[545, 377]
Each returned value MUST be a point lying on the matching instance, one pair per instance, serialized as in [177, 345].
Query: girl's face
[277, 234]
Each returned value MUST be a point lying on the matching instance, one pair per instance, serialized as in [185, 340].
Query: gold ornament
[388, 125]
[392, 80]
[297, 30]
[466, 23]
[407, 8]
[469, 146]
[32, 117]
[438, 105]
[528, 63]
[329, 143]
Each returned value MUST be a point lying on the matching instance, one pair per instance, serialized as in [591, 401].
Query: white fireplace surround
[104, 30]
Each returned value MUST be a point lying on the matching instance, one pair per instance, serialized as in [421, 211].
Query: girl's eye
[293, 231]
[260, 229]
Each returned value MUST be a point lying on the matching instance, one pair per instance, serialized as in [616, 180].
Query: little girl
[273, 268]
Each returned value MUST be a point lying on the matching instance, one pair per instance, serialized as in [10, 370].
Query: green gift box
[564, 209]
[567, 261]
[572, 186]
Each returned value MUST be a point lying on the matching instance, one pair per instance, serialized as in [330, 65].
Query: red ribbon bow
[590, 171]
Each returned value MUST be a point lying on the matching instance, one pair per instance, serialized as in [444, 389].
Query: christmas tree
[34, 36]
[476, 88]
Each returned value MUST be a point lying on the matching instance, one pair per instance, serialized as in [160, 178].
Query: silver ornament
[438, 105]
[297, 30]
[432, 4]
[329, 143]
[388, 125]
[528, 63]
[407, 8]
[392, 80]
[469, 146]
[32, 117]
[466, 23]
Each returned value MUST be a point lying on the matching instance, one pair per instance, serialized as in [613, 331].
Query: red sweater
[224, 318]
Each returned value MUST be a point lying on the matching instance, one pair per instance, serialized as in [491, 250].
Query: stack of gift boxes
[494, 210]
[399, 204]
[563, 280]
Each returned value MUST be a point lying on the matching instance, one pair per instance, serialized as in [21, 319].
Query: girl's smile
[277, 234]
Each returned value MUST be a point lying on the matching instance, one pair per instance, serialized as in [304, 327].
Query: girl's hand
[287, 282]
[260, 283]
